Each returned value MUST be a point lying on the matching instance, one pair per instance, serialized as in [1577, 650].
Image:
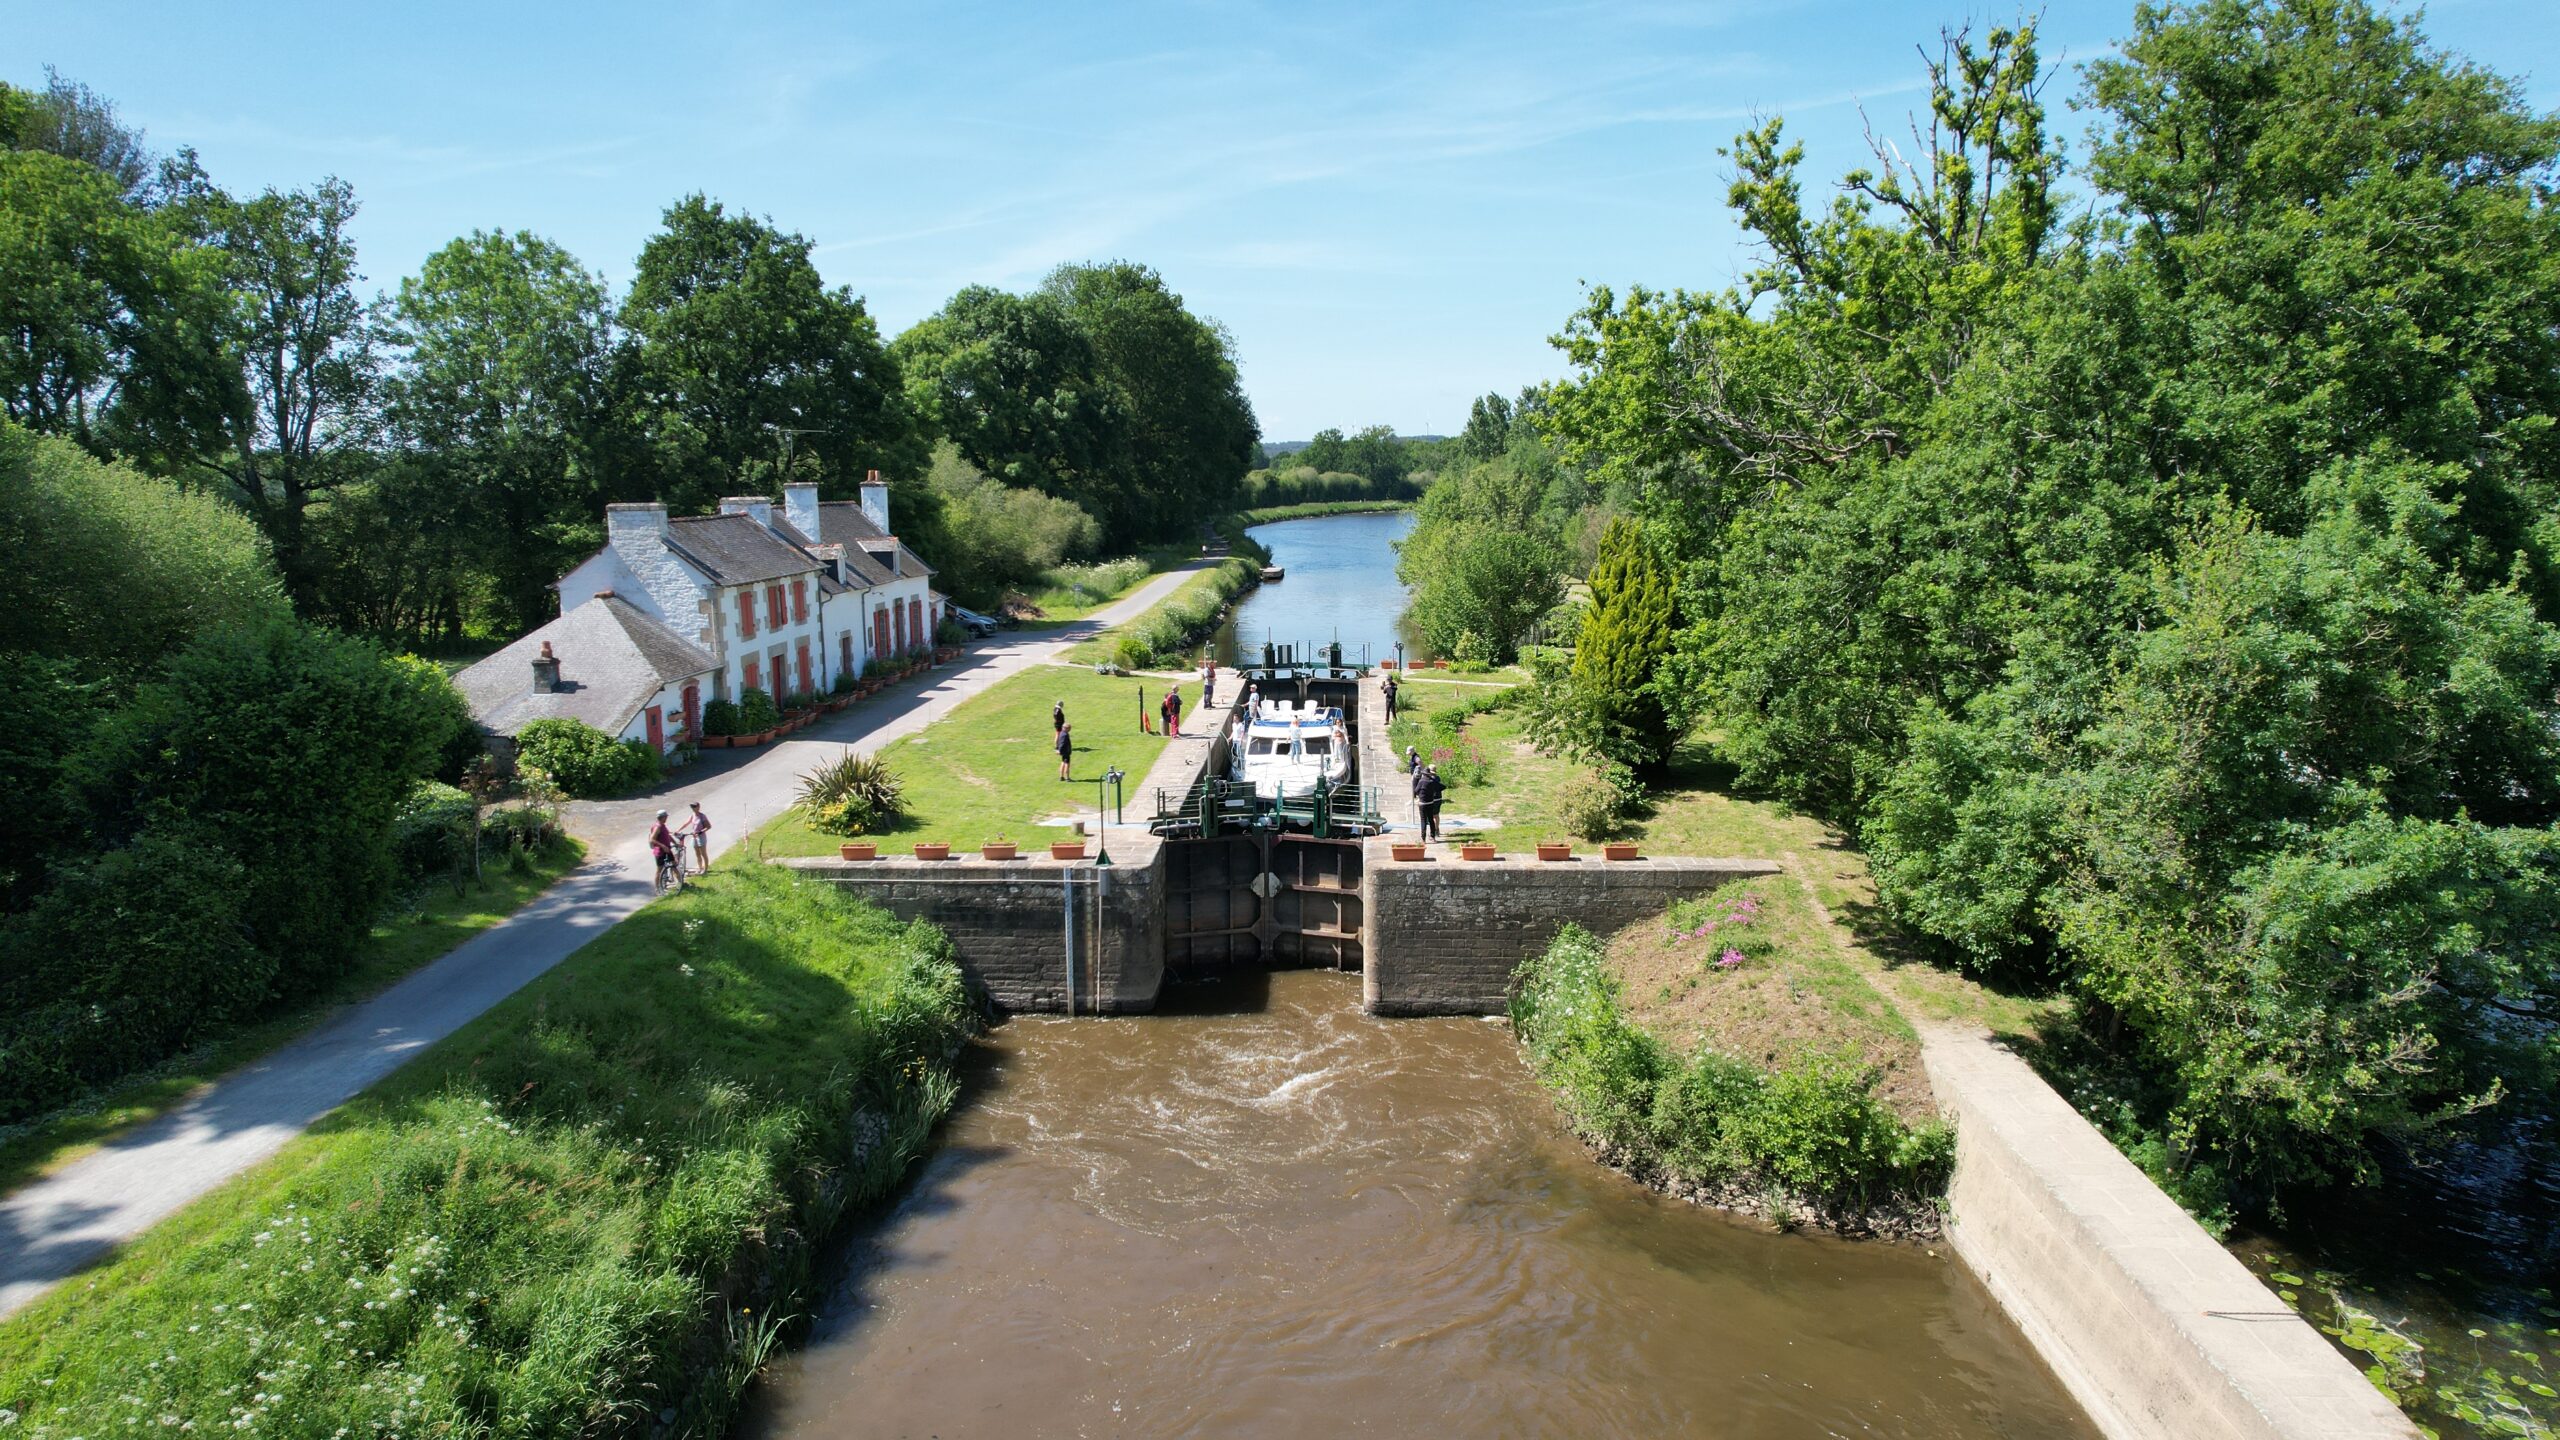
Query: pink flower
[1730, 958]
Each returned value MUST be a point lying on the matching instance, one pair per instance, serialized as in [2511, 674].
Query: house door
[693, 711]
[915, 624]
[845, 643]
[808, 685]
[657, 727]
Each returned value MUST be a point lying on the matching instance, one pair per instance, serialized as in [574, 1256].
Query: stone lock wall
[1013, 921]
[1443, 935]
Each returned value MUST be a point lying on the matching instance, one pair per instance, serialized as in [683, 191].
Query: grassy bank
[987, 770]
[591, 1210]
[1313, 509]
[421, 927]
[1800, 1132]
[1171, 631]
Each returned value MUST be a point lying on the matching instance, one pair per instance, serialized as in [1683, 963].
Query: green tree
[1189, 432]
[739, 352]
[307, 414]
[1626, 635]
[500, 394]
[1019, 389]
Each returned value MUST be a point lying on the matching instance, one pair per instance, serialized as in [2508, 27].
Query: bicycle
[670, 877]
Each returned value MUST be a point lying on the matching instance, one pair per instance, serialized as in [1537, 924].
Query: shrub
[720, 717]
[432, 834]
[130, 957]
[756, 712]
[843, 683]
[584, 760]
[1591, 809]
[1812, 1127]
[1130, 653]
[850, 795]
[293, 750]
[952, 632]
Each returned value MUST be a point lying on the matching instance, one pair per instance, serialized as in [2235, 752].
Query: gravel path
[55, 1226]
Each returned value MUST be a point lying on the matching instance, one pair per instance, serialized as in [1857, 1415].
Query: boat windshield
[1317, 745]
[1261, 746]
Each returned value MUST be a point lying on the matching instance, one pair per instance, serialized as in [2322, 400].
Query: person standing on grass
[1058, 717]
[1430, 793]
[1390, 689]
[1066, 747]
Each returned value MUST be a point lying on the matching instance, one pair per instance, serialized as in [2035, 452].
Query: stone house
[607, 663]
[778, 598]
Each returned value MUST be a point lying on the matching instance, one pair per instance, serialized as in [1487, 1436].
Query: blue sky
[1390, 207]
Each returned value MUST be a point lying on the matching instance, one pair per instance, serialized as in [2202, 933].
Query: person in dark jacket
[1429, 792]
[1389, 689]
[1066, 748]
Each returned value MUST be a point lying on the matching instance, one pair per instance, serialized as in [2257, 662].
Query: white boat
[1285, 748]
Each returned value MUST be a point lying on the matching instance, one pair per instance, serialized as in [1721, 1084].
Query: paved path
[69, 1220]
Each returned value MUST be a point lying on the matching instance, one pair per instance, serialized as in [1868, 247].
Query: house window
[799, 602]
[773, 607]
[746, 617]
[755, 673]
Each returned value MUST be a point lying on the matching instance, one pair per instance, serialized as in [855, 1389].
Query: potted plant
[1066, 849]
[933, 849]
[997, 849]
[1618, 850]
[1409, 850]
[1555, 850]
[859, 850]
[1476, 850]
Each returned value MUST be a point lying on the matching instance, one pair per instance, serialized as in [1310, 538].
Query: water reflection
[1341, 585]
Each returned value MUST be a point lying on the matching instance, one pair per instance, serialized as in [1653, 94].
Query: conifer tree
[1625, 635]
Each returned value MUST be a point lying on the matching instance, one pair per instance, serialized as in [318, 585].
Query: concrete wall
[1443, 935]
[2156, 1330]
[1013, 921]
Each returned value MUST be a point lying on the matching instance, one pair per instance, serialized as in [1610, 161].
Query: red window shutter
[773, 614]
[799, 602]
[746, 615]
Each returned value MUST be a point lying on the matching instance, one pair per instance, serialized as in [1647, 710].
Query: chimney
[627, 522]
[546, 671]
[758, 508]
[875, 502]
[800, 507]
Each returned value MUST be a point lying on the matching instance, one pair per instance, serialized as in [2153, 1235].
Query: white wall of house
[746, 659]
[669, 703]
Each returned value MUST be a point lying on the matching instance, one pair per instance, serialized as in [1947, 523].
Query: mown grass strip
[591, 1210]
[987, 769]
[421, 928]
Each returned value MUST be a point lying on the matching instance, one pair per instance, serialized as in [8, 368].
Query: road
[58, 1225]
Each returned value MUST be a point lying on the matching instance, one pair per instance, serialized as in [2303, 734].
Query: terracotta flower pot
[1413, 851]
[859, 850]
[1554, 850]
[997, 850]
[1476, 850]
[1066, 849]
[715, 742]
[1619, 850]
[932, 850]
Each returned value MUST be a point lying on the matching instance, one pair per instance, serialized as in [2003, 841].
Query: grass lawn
[987, 770]
[1700, 813]
[1076, 591]
[598, 1202]
[430, 923]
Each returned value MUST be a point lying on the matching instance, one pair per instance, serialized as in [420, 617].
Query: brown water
[1300, 1220]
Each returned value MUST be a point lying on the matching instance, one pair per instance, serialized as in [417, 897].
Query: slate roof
[735, 550]
[613, 658]
[867, 548]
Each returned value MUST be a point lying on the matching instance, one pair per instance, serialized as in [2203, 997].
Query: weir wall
[1443, 934]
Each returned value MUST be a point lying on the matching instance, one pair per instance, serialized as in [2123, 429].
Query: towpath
[54, 1227]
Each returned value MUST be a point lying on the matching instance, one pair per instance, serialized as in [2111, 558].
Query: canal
[1340, 585]
[1262, 1212]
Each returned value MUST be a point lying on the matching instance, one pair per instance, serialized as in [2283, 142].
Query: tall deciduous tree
[1019, 389]
[308, 412]
[740, 353]
[500, 395]
[1190, 430]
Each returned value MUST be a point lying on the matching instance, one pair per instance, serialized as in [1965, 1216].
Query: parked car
[979, 625]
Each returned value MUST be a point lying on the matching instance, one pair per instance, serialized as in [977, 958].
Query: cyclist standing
[662, 848]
